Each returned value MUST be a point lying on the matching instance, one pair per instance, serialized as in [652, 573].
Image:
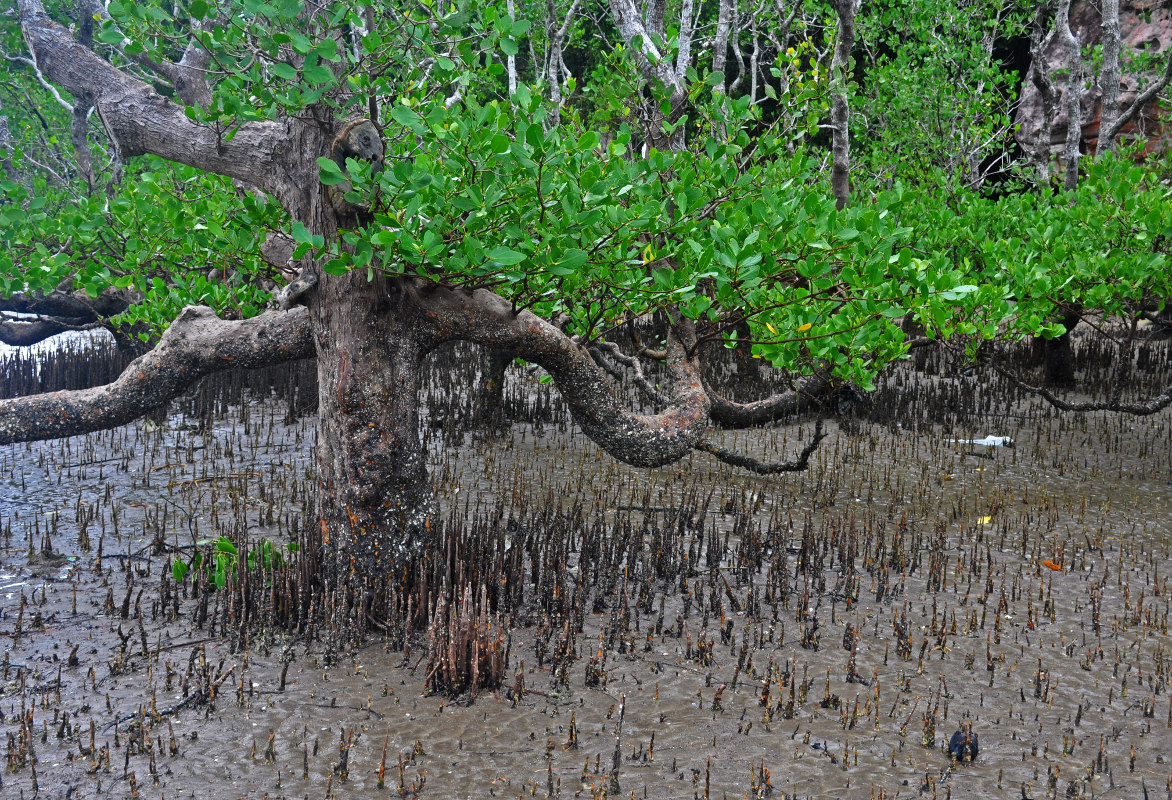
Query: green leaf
[504, 256]
[317, 75]
[408, 118]
[588, 141]
[284, 71]
[331, 174]
[570, 262]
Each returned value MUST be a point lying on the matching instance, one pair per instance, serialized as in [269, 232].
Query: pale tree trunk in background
[1109, 78]
[725, 20]
[1112, 118]
[1072, 96]
[1046, 90]
[6, 170]
[656, 66]
[557, 74]
[511, 61]
[840, 147]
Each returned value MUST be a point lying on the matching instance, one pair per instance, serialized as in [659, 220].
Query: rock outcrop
[1145, 26]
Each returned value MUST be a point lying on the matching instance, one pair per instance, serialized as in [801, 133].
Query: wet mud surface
[819, 635]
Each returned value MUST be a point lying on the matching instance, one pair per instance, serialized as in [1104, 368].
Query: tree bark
[840, 180]
[1058, 356]
[1042, 80]
[1072, 95]
[375, 497]
[1109, 79]
[196, 344]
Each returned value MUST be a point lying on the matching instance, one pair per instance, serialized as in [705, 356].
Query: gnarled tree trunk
[375, 499]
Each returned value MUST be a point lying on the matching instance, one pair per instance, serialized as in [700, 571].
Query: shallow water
[1009, 555]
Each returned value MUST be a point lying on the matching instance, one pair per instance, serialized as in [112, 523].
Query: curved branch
[809, 391]
[482, 317]
[1140, 408]
[196, 344]
[1140, 101]
[141, 121]
[766, 467]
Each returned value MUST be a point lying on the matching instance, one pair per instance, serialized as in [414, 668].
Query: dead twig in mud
[182, 704]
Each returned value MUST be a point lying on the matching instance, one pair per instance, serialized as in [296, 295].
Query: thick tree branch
[25, 332]
[487, 319]
[78, 306]
[196, 344]
[809, 392]
[141, 121]
[766, 467]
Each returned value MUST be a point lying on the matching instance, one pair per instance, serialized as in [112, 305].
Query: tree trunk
[376, 505]
[840, 177]
[490, 394]
[1071, 96]
[1057, 355]
[1109, 79]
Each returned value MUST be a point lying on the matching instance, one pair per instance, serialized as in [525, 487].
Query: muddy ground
[819, 634]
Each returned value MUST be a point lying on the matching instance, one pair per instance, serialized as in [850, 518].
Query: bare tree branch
[808, 393]
[196, 344]
[632, 363]
[766, 467]
[1141, 100]
[1140, 408]
[25, 332]
[76, 306]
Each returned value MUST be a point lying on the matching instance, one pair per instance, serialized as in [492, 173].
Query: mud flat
[691, 631]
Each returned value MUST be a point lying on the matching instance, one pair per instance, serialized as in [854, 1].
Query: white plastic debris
[988, 441]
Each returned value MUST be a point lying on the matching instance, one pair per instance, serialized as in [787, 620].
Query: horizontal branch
[809, 392]
[197, 344]
[77, 306]
[766, 467]
[26, 332]
[1139, 408]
